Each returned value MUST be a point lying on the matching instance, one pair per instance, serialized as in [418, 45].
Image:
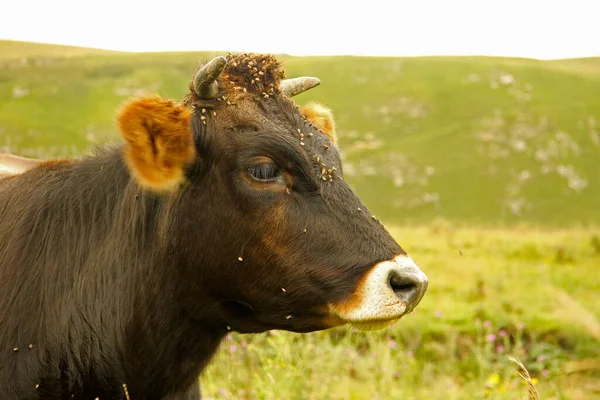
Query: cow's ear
[321, 117]
[159, 143]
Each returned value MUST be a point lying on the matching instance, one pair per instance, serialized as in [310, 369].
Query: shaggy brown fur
[259, 74]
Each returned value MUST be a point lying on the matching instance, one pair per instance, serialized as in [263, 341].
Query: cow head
[260, 218]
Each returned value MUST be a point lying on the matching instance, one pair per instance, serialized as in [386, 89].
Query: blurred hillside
[486, 141]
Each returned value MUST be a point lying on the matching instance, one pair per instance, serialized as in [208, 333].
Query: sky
[526, 28]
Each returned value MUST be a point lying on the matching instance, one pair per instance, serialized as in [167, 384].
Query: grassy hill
[488, 141]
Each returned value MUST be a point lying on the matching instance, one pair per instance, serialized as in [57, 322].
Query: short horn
[292, 87]
[205, 81]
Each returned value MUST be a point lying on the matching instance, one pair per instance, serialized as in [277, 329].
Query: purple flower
[541, 358]
[487, 323]
[502, 332]
[499, 349]
[244, 344]
[545, 372]
[228, 337]
[233, 348]
[491, 337]
[392, 344]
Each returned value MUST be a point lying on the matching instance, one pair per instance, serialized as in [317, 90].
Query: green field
[486, 170]
[478, 140]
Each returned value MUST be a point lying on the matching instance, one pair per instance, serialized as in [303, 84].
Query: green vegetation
[493, 293]
[468, 139]
[430, 144]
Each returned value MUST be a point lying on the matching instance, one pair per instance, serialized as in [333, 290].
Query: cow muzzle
[390, 290]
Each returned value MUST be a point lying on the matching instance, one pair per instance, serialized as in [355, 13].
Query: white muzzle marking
[375, 303]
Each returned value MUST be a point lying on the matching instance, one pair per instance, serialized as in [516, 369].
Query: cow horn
[205, 81]
[292, 87]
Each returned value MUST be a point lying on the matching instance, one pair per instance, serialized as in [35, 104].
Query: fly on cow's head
[262, 221]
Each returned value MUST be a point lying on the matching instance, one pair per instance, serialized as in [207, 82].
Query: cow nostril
[402, 284]
[407, 287]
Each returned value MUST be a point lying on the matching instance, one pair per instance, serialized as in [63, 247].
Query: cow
[122, 271]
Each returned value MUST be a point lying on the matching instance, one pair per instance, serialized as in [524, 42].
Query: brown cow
[227, 211]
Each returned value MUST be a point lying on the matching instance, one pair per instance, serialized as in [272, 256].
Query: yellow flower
[492, 380]
[534, 381]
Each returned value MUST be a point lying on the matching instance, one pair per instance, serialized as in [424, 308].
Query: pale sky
[527, 28]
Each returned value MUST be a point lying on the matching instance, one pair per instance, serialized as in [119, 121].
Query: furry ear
[321, 117]
[159, 142]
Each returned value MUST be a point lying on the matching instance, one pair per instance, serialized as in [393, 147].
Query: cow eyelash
[264, 172]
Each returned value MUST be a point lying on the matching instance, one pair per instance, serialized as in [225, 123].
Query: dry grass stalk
[524, 374]
[126, 391]
[578, 313]
[588, 364]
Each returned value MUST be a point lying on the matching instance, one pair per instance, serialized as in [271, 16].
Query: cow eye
[264, 172]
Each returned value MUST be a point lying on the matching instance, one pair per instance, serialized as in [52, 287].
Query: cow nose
[391, 289]
[409, 286]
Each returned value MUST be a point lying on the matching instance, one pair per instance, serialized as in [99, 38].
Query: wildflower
[392, 344]
[233, 348]
[545, 372]
[491, 337]
[438, 314]
[499, 349]
[487, 323]
[520, 326]
[541, 358]
[244, 344]
[492, 380]
[502, 332]
[410, 353]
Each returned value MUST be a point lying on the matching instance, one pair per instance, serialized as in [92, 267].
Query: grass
[467, 139]
[493, 293]
[486, 171]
